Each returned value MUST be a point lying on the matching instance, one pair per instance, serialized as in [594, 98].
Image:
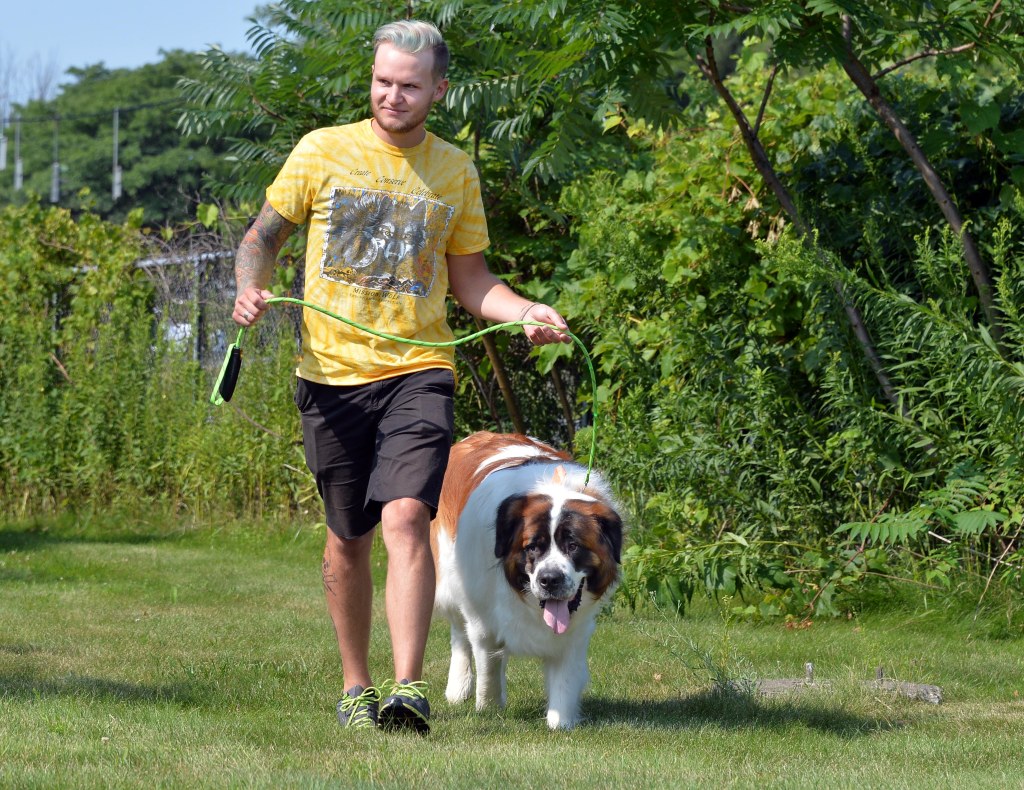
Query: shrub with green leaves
[99, 407]
[767, 465]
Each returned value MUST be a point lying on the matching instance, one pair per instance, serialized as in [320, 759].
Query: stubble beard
[399, 125]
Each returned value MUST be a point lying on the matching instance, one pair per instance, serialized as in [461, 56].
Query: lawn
[156, 653]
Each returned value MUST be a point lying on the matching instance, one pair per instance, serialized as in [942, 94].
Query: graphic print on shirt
[384, 241]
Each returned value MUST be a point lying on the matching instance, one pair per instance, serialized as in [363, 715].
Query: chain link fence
[194, 293]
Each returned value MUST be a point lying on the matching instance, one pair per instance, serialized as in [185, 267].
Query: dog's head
[558, 544]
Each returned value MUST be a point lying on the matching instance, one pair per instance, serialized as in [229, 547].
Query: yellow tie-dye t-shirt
[381, 220]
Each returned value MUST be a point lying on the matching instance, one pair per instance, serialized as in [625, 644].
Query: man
[395, 219]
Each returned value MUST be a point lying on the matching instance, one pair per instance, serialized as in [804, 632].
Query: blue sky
[120, 33]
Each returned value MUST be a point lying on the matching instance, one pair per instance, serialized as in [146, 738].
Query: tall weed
[99, 406]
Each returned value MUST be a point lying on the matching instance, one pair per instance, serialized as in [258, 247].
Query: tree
[312, 69]
[946, 33]
[883, 37]
[162, 170]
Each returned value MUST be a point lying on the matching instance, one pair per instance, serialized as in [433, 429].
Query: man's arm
[487, 297]
[255, 261]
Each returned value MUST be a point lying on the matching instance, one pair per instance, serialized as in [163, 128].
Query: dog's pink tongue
[556, 615]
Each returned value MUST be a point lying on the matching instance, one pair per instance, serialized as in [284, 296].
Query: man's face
[403, 89]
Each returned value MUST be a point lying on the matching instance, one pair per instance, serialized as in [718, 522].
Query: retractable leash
[224, 387]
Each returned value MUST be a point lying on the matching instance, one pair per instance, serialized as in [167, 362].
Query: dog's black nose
[550, 579]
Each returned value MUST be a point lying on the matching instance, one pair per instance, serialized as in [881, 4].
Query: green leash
[224, 387]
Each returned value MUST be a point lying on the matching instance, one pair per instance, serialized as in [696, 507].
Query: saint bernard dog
[526, 557]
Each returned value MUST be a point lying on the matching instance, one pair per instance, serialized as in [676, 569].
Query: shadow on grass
[81, 687]
[734, 710]
[40, 541]
[16, 539]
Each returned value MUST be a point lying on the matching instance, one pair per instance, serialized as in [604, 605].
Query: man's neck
[408, 139]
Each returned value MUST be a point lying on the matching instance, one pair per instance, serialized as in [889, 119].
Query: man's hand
[250, 304]
[542, 335]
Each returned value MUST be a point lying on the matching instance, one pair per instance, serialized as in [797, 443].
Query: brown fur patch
[468, 467]
[522, 521]
[603, 539]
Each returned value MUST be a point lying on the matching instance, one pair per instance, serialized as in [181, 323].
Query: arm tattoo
[257, 254]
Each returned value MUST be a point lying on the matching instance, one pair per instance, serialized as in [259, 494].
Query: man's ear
[440, 89]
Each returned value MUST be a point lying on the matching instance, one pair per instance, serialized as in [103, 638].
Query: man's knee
[405, 522]
[348, 551]
[405, 513]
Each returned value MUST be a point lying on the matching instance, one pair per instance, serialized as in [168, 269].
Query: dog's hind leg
[460, 671]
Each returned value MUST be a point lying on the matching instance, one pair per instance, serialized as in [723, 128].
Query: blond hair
[411, 35]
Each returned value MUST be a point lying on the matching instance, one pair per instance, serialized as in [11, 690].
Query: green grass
[158, 654]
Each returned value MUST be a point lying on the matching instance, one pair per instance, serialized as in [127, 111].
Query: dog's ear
[559, 476]
[611, 531]
[508, 524]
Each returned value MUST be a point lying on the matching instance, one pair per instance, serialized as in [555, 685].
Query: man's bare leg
[348, 588]
[409, 595]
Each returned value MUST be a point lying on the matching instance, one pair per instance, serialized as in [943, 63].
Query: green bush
[98, 407]
[764, 462]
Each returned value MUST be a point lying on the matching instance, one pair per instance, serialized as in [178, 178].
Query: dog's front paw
[561, 720]
[459, 689]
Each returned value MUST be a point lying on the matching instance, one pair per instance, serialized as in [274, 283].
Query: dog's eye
[571, 546]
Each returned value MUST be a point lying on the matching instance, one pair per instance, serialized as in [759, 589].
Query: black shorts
[369, 444]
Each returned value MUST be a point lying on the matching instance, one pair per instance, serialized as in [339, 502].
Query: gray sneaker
[406, 708]
[358, 708]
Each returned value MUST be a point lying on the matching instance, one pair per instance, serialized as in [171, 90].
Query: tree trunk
[979, 270]
[481, 389]
[503, 383]
[563, 400]
[771, 178]
[488, 340]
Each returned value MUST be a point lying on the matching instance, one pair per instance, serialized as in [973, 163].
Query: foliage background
[744, 429]
[163, 171]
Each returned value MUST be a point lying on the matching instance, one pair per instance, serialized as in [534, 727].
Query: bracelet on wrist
[529, 307]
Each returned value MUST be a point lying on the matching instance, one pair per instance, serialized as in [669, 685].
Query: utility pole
[17, 154]
[115, 189]
[55, 176]
[3, 140]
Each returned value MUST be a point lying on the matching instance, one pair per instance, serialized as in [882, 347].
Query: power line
[56, 119]
[84, 116]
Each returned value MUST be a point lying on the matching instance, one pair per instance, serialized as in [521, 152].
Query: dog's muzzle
[558, 611]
